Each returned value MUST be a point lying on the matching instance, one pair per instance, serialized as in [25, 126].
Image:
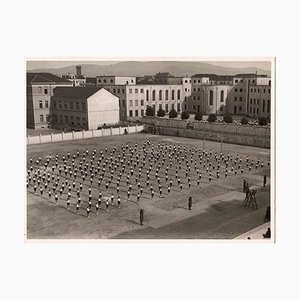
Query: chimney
[78, 70]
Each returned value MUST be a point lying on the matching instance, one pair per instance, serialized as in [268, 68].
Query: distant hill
[136, 68]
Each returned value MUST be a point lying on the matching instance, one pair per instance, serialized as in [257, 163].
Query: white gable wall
[102, 107]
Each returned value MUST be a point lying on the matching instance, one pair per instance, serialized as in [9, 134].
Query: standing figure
[190, 203]
[141, 216]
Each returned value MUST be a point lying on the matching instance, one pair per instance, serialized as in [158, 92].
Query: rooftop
[45, 78]
[75, 92]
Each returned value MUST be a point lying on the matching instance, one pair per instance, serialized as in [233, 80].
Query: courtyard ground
[217, 211]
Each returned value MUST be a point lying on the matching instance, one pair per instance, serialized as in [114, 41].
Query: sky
[266, 65]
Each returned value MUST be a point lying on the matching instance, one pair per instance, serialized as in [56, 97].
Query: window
[241, 98]
[45, 91]
[199, 81]
[55, 118]
[40, 104]
[136, 102]
[242, 81]
[114, 91]
[84, 121]
[160, 106]
[178, 107]
[235, 98]
[153, 106]
[71, 105]
[253, 81]
[240, 108]
[251, 90]
[235, 90]
[147, 95]
[39, 89]
[65, 105]
[194, 107]
[153, 95]
[166, 95]
[167, 107]
[258, 90]
[131, 80]
[77, 120]
[123, 91]
[211, 98]
[124, 102]
[104, 80]
[72, 120]
[198, 89]
[130, 113]
[42, 118]
[83, 106]
[59, 104]
[236, 81]
[130, 91]
[257, 110]
[251, 101]
[99, 80]
[142, 91]
[130, 103]
[222, 96]
[194, 81]
[54, 104]
[60, 119]
[264, 104]
[221, 108]
[268, 107]
[47, 104]
[194, 97]
[47, 118]
[264, 91]
[250, 110]
[178, 95]
[142, 102]
[241, 90]
[254, 101]
[77, 105]
[142, 112]
[173, 95]
[173, 106]
[136, 91]
[160, 95]
[111, 81]
[257, 101]
[269, 91]
[136, 113]
[66, 119]
[254, 90]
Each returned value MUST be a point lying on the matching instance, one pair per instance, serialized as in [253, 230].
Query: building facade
[40, 88]
[83, 108]
[134, 98]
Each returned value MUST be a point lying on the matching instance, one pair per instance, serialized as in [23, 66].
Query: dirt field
[217, 211]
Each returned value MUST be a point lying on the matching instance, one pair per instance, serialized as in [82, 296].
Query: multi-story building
[40, 88]
[83, 108]
[237, 95]
[134, 98]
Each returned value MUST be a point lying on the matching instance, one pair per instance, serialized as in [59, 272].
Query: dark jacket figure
[267, 235]
[265, 180]
[141, 216]
[267, 215]
[244, 186]
[190, 202]
[125, 131]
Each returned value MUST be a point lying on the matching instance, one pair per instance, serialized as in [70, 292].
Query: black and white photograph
[150, 149]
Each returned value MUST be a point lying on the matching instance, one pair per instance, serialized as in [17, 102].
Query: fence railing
[84, 134]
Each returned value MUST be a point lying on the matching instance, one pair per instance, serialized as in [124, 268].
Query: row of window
[70, 120]
[258, 90]
[263, 105]
[160, 95]
[236, 98]
[43, 118]
[106, 80]
[116, 91]
[69, 105]
[43, 106]
[43, 90]
[136, 103]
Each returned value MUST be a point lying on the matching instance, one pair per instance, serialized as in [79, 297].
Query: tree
[173, 114]
[227, 119]
[184, 115]
[262, 121]
[212, 118]
[150, 111]
[198, 116]
[244, 121]
[161, 113]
